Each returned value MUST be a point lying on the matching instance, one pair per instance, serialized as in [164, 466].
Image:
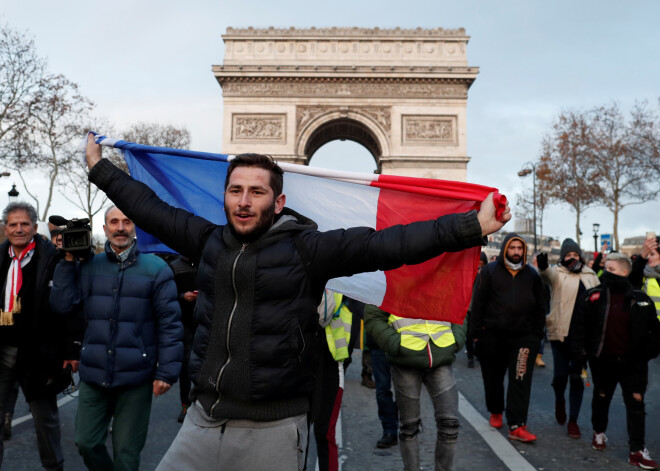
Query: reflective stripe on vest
[652, 289]
[416, 333]
[338, 332]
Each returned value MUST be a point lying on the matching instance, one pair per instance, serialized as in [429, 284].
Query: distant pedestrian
[508, 315]
[618, 331]
[569, 280]
[645, 273]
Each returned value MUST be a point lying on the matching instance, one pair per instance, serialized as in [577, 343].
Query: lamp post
[13, 193]
[596, 227]
[523, 173]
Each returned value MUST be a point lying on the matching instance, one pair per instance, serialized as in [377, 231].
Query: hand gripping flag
[438, 289]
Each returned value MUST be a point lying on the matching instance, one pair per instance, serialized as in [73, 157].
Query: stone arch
[400, 93]
[331, 125]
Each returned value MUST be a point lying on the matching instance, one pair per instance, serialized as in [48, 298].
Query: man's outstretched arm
[177, 228]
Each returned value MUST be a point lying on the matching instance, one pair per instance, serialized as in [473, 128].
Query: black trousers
[633, 378]
[499, 354]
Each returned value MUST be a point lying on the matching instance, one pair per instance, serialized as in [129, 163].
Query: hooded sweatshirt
[507, 299]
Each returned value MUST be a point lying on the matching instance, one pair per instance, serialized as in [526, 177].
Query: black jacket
[255, 348]
[507, 304]
[590, 324]
[39, 334]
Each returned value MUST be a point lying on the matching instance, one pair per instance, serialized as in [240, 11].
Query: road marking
[25, 418]
[500, 445]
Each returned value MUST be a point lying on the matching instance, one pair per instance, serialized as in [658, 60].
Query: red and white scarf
[15, 274]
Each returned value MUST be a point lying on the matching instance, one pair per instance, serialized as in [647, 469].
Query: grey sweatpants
[204, 443]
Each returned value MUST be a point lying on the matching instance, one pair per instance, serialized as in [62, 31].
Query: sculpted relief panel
[259, 127]
[429, 130]
[337, 89]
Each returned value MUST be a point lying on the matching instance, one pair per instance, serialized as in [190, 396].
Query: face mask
[572, 264]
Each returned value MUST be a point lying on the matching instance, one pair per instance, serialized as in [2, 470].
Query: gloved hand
[542, 261]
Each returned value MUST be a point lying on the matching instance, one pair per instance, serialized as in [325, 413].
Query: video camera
[77, 237]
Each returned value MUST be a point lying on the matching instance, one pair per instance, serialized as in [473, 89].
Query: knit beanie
[569, 245]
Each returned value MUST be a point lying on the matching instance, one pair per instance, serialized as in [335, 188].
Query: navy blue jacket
[134, 332]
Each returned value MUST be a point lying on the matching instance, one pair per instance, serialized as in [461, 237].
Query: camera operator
[132, 343]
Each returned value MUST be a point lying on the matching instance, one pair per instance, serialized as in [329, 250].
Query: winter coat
[564, 285]
[389, 340]
[506, 304]
[256, 345]
[589, 327]
[40, 336]
[134, 332]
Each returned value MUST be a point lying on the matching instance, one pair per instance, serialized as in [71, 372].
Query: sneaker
[367, 382]
[598, 442]
[6, 428]
[573, 429]
[642, 459]
[539, 360]
[560, 412]
[522, 434]
[182, 415]
[386, 441]
[495, 420]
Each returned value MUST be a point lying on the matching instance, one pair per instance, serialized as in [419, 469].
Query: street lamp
[523, 173]
[13, 193]
[596, 227]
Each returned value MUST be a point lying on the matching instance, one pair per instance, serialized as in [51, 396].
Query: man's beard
[514, 258]
[262, 225]
[125, 245]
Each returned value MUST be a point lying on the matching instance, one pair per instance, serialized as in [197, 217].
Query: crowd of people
[262, 363]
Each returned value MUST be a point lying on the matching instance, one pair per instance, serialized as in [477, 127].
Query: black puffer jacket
[508, 304]
[254, 350]
[590, 324]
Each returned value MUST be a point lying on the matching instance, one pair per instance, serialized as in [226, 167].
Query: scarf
[573, 265]
[652, 272]
[15, 282]
[512, 266]
[616, 283]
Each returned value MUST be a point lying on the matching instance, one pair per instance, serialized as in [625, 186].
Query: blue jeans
[44, 412]
[387, 409]
[441, 385]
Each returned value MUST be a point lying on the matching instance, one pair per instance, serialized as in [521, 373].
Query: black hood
[505, 243]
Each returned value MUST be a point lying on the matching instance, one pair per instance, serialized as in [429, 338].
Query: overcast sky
[151, 60]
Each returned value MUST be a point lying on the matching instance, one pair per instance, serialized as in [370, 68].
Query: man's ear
[279, 203]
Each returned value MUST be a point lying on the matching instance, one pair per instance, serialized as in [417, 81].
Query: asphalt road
[479, 447]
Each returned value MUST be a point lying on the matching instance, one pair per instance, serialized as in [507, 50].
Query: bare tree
[623, 178]
[162, 135]
[21, 73]
[645, 129]
[47, 138]
[567, 171]
[74, 183]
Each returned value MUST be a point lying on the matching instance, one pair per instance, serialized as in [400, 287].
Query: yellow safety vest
[652, 289]
[416, 333]
[338, 331]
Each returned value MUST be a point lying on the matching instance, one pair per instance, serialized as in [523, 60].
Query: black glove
[542, 261]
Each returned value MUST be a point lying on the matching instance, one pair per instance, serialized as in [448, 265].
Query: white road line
[27, 417]
[500, 445]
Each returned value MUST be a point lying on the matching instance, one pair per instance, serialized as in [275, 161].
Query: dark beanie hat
[484, 258]
[569, 245]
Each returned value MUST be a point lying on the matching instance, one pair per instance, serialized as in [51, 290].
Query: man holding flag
[261, 277]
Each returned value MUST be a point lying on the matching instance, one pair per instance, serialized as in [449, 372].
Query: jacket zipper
[231, 317]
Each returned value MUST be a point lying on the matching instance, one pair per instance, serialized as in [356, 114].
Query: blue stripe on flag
[193, 181]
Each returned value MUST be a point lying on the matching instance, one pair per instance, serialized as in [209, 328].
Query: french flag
[438, 289]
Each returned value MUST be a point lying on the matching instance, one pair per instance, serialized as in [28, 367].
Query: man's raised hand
[92, 151]
[486, 215]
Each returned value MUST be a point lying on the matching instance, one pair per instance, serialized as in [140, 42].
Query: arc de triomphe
[400, 93]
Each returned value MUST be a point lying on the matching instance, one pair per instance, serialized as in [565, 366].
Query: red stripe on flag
[444, 282]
